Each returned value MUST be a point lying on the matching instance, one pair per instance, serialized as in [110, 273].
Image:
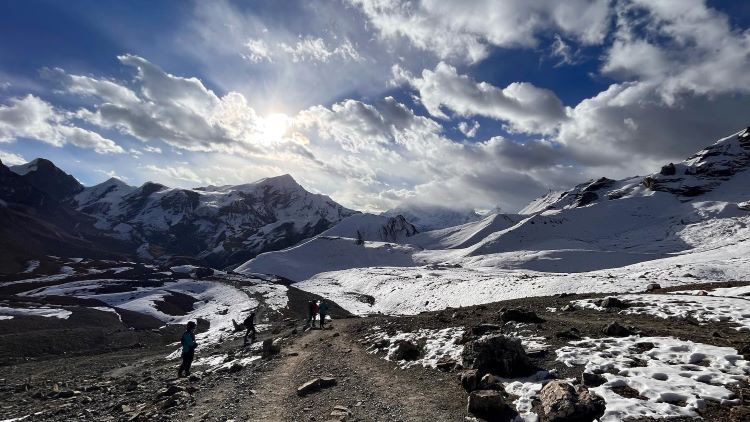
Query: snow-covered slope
[691, 214]
[220, 224]
[466, 234]
[324, 253]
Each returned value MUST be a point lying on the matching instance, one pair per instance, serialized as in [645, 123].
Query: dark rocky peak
[396, 228]
[704, 170]
[48, 178]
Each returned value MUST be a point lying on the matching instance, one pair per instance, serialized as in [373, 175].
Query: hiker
[314, 312]
[323, 313]
[310, 314]
[250, 327]
[188, 349]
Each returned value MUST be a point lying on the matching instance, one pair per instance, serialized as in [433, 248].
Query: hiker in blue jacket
[323, 310]
[188, 349]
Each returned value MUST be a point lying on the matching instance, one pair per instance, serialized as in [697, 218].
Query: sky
[376, 103]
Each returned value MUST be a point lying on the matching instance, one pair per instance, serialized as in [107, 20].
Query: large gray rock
[561, 402]
[469, 380]
[487, 403]
[497, 354]
[520, 315]
[270, 347]
[405, 350]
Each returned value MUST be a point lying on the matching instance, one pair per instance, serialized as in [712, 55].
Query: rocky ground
[339, 373]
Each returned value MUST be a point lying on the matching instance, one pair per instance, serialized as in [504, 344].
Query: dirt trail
[371, 388]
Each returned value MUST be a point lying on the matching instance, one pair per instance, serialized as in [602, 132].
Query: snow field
[673, 378]
[436, 344]
[705, 309]
[42, 311]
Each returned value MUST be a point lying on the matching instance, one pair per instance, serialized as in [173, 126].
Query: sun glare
[274, 127]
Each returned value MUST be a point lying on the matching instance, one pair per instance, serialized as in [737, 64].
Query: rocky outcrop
[561, 402]
[498, 355]
[615, 329]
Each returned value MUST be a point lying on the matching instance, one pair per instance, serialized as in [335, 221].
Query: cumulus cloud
[11, 159]
[33, 118]
[391, 154]
[684, 47]
[467, 30]
[177, 173]
[523, 106]
[179, 111]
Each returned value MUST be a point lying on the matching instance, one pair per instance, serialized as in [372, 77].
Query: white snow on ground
[675, 377]
[31, 266]
[217, 302]
[324, 253]
[436, 344]
[42, 311]
[740, 291]
[704, 309]
[274, 295]
[526, 389]
[529, 341]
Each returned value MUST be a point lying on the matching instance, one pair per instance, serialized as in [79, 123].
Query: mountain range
[48, 212]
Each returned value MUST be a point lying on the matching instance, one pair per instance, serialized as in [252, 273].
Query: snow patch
[673, 377]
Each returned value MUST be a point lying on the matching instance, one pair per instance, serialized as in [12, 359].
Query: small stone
[592, 380]
[653, 286]
[486, 402]
[617, 330]
[469, 380]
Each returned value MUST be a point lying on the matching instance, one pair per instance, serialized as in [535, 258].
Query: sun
[274, 126]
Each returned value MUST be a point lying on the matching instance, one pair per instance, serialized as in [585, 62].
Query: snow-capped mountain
[218, 225]
[34, 223]
[690, 207]
[432, 217]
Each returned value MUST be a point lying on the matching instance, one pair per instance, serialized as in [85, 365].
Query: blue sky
[373, 102]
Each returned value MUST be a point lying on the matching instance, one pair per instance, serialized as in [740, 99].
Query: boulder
[487, 403]
[668, 170]
[560, 401]
[469, 380]
[745, 351]
[446, 364]
[405, 350]
[497, 354]
[613, 302]
[270, 347]
[520, 315]
[491, 382]
[615, 329]
[653, 286]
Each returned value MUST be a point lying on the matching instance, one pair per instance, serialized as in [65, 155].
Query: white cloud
[11, 159]
[523, 106]
[257, 51]
[467, 30]
[469, 129]
[33, 118]
[304, 49]
[178, 173]
[681, 47]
